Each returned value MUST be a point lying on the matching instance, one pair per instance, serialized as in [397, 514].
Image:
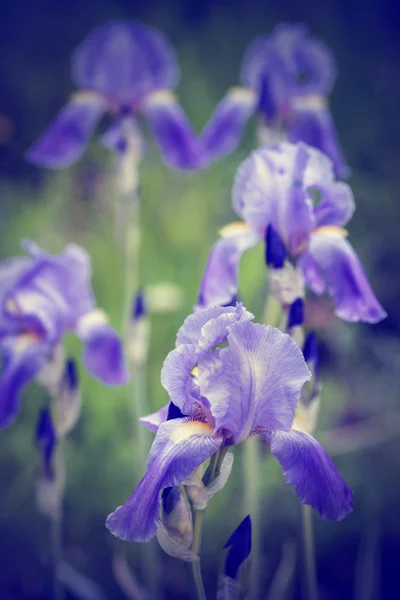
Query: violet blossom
[42, 298]
[127, 70]
[286, 78]
[288, 197]
[249, 387]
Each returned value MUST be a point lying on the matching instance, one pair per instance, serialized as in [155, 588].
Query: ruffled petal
[224, 130]
[178, 143]
[23, 358]
[154, 420]
[219, 284]
[308, 468]
[103, 354]
[179, 448]
[316, 128]
[345, 279]
[125, 60]
[255, 383]
[67, 135]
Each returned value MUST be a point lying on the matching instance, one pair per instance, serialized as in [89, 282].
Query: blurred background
[360, 417]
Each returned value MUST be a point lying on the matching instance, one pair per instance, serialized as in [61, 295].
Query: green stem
[251, 505]
[56, 552]
[197, 581]
[309, 552]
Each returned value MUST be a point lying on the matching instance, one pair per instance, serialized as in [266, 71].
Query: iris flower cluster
[228, 379]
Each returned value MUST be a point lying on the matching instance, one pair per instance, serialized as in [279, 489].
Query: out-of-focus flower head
[287, 78]
[128, 70]
[288, 197]
[42, 297]
[249, 387]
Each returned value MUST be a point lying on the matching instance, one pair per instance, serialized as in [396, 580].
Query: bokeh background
[360, 418]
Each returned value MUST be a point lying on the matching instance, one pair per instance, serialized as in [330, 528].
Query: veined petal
[103, 354]
[256, 381]
[345, 279]
[179, 448]
[23, 358]
[179, 145]
[223, 131]
[316, 128]
[65, 139]
[308, 468]
[125, 60]
[176, 378]
[219, 284]
[154, 420]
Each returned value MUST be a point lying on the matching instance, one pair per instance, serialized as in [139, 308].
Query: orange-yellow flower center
[332, 231]
[186, 430]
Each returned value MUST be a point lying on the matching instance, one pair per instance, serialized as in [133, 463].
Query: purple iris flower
[42, 297]
[128, 70]
[290, 191]
[251, 386]
[287, 78]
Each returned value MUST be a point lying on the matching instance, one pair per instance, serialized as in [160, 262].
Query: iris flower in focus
[128, 70]
[249, 387]
[287, 195]
[287, 78]
[43, 297]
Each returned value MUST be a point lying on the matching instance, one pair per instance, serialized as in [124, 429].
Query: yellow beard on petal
[233, 229]
[332, 231]
[186, 430]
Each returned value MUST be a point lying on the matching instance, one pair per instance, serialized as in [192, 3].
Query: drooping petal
[219, 284]
[312, 273]
[345, 279]
[308, 468]
[154, 420]
[256, 381]
[179, 448]
[125, 60]
[316, 128]
[178, 143]
[67, 135]
[224, 130]
[23, 358]
[103, 354]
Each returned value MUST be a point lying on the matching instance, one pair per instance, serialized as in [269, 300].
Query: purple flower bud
[296, 314]
[139, 308]
[239, 548]
[46, 442]
[275, 252]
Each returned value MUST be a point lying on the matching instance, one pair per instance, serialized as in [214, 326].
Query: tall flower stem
[211, 473]
[309, 552]
[127, 185]
[56, 553]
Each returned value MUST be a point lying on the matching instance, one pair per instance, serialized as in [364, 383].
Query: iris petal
[154, 420]
[65, 139]
[308, 468]
[178, 449]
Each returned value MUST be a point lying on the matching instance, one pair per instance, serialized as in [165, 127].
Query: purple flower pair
[287, 196]
[287, 78]
[43, 297]
[250, 386]
[128, 70]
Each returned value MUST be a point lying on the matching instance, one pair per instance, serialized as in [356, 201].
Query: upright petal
[103, 354]
[256, 381]
[316, 128]
[308, 468]
[223, 131]
[336, 206]
[179, 448]
[178, 143]
[23, 358]
[345, 279]
[65, 139]
[125, 60]
[219, 284]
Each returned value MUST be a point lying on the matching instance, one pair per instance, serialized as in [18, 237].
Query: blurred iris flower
[249, 387]
[128, 70]
[288, 196]
[286, 79]
[43, 297]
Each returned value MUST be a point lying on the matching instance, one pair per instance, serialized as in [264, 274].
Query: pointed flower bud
[50, 476]
[175, 534]
[235, 580]
[296, 314]
[68, 401]
[46, 442]
[139, 333]
[275, 251]
[309, 404]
